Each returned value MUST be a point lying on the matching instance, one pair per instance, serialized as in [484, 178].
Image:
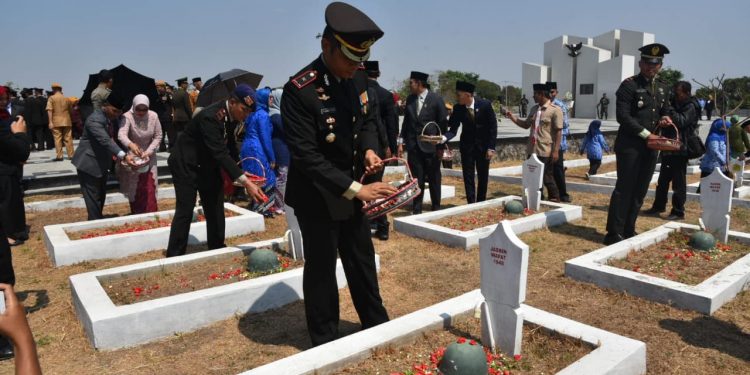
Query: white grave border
[64, 251]
[613, 354]
[420, 225]
[111, 327]
[706, 297]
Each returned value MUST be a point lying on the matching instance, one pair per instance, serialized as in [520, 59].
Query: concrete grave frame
[739, 192]
[706, 297]
[614, 354]
[63, 251]
[110, 327]
[420, 225]
[77, 202]
[610, 178]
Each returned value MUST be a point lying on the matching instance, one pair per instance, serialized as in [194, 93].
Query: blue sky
[64, 41]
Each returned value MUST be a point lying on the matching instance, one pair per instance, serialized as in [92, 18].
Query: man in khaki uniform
[197, 87]
[545, 124]
[58, 111]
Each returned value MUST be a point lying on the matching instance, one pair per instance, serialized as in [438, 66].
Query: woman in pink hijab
[140, 133]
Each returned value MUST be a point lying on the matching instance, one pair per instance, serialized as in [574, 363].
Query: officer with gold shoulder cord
[642, 107]
[331, 133]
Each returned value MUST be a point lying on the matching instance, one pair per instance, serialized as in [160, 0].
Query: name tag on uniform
[324, 111]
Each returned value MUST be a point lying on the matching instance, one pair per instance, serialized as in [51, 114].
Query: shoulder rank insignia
[305, 78]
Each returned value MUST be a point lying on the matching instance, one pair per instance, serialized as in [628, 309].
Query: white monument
[504, 263]
[603, 62]
[532, 174]
[716, 203]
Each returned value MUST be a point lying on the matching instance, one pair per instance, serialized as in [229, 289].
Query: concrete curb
[706, 297]
[110, 327]
[63, 251]
[614, 354]
[420, 226]
[78, 202]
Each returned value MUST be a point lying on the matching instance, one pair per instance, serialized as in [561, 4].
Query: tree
[670, 76]
[447, 83]
[488, 90]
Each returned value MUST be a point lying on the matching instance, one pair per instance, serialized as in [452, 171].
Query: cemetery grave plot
[503, 268]
[674, 259]
[430, 225]
[484, 217]
[123, 236]
[236, 344]
[545, 352]
[110, 325]
[666, 285]
[169, 281]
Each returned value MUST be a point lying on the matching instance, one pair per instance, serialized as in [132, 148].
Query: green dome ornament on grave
[263, 260]
[701, 240]
[464, 357]
[514, 207]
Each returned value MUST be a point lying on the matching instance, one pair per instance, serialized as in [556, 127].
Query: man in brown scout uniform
[545, 124]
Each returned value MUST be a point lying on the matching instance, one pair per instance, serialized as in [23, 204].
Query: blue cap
[245, 94]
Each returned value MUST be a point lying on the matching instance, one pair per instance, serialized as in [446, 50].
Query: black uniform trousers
[471, 160]
[212, 201]
[166, 130]
[425, 167]
[351, 237]
[548, 179]
[604, 113]
[94, 190]
[674, 170]
[173, 131]
[635, 167]
[558, 173]
[12, 211]
[7, 275]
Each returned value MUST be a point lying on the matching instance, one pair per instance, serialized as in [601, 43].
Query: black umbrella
[127, 84]
[220, 87]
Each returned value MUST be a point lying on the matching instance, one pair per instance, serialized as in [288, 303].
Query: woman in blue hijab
[258, 145]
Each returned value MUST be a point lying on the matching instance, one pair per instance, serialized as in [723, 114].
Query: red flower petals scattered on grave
[498, 363]
[154, 223]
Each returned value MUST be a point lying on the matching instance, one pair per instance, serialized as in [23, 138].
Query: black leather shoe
[6, 349]
[382, 235]
[565, 199]
[673, 217]
[612, 238]
[629, 235]
[652, 212]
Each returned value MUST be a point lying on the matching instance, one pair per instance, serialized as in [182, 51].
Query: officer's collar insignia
[655, 50]
[325, 79]
[304, 79]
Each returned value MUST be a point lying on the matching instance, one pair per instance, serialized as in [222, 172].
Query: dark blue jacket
[480, 133]
[278, 140]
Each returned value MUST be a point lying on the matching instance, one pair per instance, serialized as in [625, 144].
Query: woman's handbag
[406, 192]
[662, 143]
[694, 146]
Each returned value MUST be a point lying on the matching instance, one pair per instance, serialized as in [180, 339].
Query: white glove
[443, 140]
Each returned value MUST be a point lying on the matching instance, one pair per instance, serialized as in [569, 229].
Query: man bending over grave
[545, 124]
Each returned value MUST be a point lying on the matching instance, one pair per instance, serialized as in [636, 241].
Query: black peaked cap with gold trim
[653, 53]
[354, 30]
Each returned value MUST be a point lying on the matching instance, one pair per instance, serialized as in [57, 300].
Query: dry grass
[415, 274]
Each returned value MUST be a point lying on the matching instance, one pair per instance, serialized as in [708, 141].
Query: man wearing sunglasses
[642, 107]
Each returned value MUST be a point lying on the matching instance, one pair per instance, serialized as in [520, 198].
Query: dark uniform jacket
[201, 149]
[388, 133]
[165, 112]
[433, 109]
[640, 105]
[181, 103]
[96, 148]
[35, 108]
[321, 172]
[14, 149]
[479, 133]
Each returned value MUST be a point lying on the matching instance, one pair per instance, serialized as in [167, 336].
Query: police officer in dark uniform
[195, 162]
[524, 105]
[603, 107]
[478, 137]
[332, 137]
[387, 121]
[642, 106]
[164, 111]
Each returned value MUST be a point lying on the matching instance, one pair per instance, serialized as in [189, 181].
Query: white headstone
[737, 167]
[504, 263]
[295, 243]
[533, 171]
[716, 203]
